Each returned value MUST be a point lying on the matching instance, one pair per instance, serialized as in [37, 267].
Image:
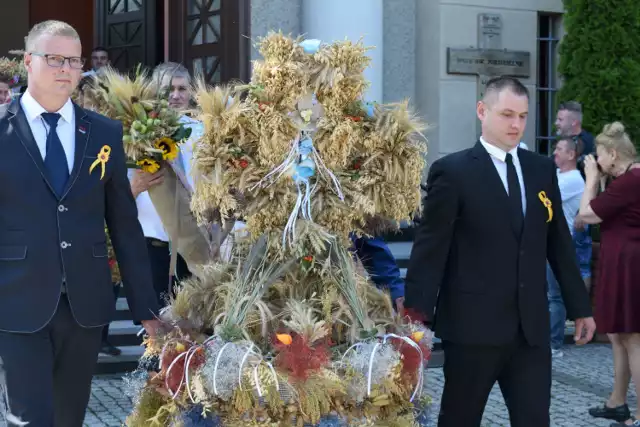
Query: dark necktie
[515, 194]
[55, 160]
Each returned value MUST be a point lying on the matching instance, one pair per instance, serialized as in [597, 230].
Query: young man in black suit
[492, 219]
[55, 284]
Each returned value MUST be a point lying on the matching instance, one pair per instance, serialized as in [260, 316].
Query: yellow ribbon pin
[103, 158]
[547, 204]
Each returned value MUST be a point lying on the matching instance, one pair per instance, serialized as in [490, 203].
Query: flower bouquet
[152, 134]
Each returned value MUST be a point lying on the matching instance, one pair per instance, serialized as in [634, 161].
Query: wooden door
[208, 37]
[128, 30]
[76, 13]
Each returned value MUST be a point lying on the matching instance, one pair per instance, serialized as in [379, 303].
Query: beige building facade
[436, 53]
[413, 60]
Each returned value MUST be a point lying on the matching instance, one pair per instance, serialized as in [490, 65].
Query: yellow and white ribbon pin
[103, 158]
[547, 204]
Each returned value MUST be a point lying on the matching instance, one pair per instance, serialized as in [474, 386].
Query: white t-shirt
[571, 188]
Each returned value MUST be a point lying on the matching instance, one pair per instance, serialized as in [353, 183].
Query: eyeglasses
[58, 61]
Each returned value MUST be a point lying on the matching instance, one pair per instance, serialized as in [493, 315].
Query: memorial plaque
[489, 31]
[488, 62]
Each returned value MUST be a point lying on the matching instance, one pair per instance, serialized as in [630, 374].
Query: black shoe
[109, 349]
[619, 413]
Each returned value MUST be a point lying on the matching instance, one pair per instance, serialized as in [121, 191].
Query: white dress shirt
[499, 158]
[186, 151]
[66, 128]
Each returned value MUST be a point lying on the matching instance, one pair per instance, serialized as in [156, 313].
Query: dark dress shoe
[619, 413]
[108, 348]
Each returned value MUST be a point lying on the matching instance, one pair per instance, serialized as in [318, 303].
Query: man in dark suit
[64, 174]
[492, 218]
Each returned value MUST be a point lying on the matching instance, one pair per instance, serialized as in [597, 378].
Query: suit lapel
[490, 180]
[83, 132]
[18, 120]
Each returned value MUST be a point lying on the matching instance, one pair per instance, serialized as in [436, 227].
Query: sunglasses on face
[58, 61]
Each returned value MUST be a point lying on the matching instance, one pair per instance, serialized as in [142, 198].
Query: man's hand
[585, 328]
[400, 306]
[152, 327]
[143, 181]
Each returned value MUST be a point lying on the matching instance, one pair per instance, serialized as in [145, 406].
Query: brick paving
[582, 378]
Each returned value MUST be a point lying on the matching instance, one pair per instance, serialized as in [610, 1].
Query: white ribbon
[166, 379]
[333, 178]
[418, 388]
[5, 412]
[250, 351]
[303, 201]
[293, 152]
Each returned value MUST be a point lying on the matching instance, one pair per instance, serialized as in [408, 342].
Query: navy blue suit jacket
[46, 241]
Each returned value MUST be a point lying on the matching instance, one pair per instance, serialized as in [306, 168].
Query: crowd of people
[501, 258]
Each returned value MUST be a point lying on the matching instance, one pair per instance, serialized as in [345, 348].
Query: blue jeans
[557, 310]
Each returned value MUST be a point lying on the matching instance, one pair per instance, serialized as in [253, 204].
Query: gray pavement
[582, 378]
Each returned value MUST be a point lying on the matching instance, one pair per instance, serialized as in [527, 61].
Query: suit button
[62, 208]
[65, 245]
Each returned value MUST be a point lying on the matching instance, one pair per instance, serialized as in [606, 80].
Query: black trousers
[49, 372]
[105, 329]
[522, 371]
[160, 258]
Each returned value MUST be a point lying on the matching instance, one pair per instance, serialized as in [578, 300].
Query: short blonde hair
[615, 138]
[49, 28]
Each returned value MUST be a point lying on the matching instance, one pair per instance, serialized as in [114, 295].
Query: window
[546, 88]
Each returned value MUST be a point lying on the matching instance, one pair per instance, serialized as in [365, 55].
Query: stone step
[125, 362]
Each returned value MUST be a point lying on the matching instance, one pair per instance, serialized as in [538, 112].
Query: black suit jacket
[469, 265]
[46, 241]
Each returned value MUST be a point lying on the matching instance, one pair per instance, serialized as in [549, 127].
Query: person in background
[569, 125]
[175, 80]
[5, 91]
[617, 296]
[99, 59]
[380, 264]
[571, 187]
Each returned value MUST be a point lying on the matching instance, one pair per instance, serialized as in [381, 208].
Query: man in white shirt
[55, 281]
[478, 263]
[571, 186]
[175, 80]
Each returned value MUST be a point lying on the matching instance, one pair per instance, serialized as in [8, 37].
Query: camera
[581, 163]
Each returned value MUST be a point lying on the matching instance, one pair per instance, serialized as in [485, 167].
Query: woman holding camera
[617, 299]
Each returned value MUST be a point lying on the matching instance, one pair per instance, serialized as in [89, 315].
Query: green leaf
[600, 62]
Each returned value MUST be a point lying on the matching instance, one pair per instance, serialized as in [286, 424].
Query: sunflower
[169, 148]
[148, 165]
